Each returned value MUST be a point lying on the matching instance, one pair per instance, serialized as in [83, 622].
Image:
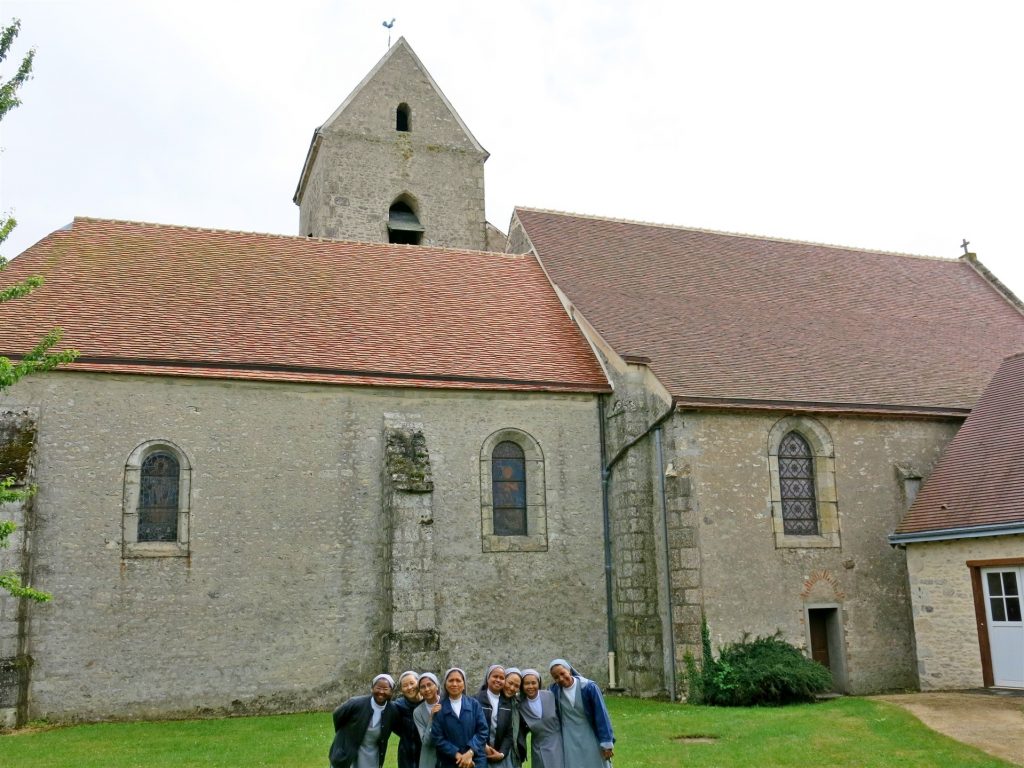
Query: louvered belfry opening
[403, 225]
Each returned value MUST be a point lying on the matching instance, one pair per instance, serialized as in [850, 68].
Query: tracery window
[796, 486]
[508, 478]
[802, 480]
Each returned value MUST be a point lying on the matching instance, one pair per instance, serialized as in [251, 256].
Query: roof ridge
[746, 235]
[279, 236]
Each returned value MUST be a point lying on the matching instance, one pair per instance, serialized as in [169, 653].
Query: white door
[1005, 626]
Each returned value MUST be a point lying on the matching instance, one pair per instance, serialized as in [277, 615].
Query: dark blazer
[453, 734]
[408, 734]
[351, 720]
[503, 733]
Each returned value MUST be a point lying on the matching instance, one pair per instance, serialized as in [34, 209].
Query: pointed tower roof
[400, 47]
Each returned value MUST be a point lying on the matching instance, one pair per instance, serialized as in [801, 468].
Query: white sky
[894, 125]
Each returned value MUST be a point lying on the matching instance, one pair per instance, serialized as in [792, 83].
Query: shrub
[696, 675]
[694, 687]
[762, 670]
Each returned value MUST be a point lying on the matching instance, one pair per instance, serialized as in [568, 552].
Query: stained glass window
[508, 482]
[796, 483]
[158, 498]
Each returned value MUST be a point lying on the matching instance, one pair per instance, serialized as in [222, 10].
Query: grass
[843, 732]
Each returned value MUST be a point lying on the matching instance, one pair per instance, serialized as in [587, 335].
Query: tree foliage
[41, 357]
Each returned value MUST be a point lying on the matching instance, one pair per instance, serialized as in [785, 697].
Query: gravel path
[991, 722]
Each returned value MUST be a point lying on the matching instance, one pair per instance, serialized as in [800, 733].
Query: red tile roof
[743, 321]
[155, 299]
[979, 481]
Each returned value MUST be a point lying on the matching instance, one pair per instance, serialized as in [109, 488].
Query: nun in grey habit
[540, 717]
[423, 716]
[587, 737]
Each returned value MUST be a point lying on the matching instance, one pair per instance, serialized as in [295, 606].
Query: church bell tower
[395, 163]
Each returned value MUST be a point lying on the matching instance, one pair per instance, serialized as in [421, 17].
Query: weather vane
[963, 245]
[389, 25]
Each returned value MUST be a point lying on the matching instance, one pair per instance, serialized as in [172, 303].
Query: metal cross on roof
[964, 245]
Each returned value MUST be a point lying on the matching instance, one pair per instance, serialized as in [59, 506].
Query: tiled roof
[146, 298]
[744, 321]
[979, 481]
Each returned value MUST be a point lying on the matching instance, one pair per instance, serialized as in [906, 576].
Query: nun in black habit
[362, 726]
[498, 712]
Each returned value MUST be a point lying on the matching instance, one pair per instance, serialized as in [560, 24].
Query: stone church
[403, 439]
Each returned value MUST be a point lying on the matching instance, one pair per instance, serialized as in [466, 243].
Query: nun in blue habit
[459, 730]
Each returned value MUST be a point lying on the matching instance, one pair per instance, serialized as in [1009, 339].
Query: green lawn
[843, 732]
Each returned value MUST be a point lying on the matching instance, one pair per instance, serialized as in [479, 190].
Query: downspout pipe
[607, 531]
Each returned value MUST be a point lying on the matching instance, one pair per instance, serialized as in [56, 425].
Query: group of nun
[440, 725]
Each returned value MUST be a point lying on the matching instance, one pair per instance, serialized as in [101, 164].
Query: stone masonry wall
[637, 594]
[18, 432]
[364, 164]
[948, 652]
[413, 640]
[282, 602]
[518, 242]
[750, 585]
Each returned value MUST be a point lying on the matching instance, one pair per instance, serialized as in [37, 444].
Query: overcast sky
[888, 125]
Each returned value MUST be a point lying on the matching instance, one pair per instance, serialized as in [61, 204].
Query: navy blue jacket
[351, 720]
[503, 733]
[408, 734]
[453, 734]
[593, 708]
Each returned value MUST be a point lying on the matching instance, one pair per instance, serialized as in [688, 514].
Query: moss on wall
[17, 443]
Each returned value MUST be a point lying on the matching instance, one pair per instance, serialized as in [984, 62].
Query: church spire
[395, 162]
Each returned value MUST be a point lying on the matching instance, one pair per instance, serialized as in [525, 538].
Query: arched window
[158, 498]
[403, 119]
[802, 475]
[155, 510]
[513, 505]
[508, 484]
[403, 225]
[796, 487]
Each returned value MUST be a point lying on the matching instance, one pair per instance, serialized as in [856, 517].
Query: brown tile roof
[979, 481]
[147, 298]
[744, 321]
